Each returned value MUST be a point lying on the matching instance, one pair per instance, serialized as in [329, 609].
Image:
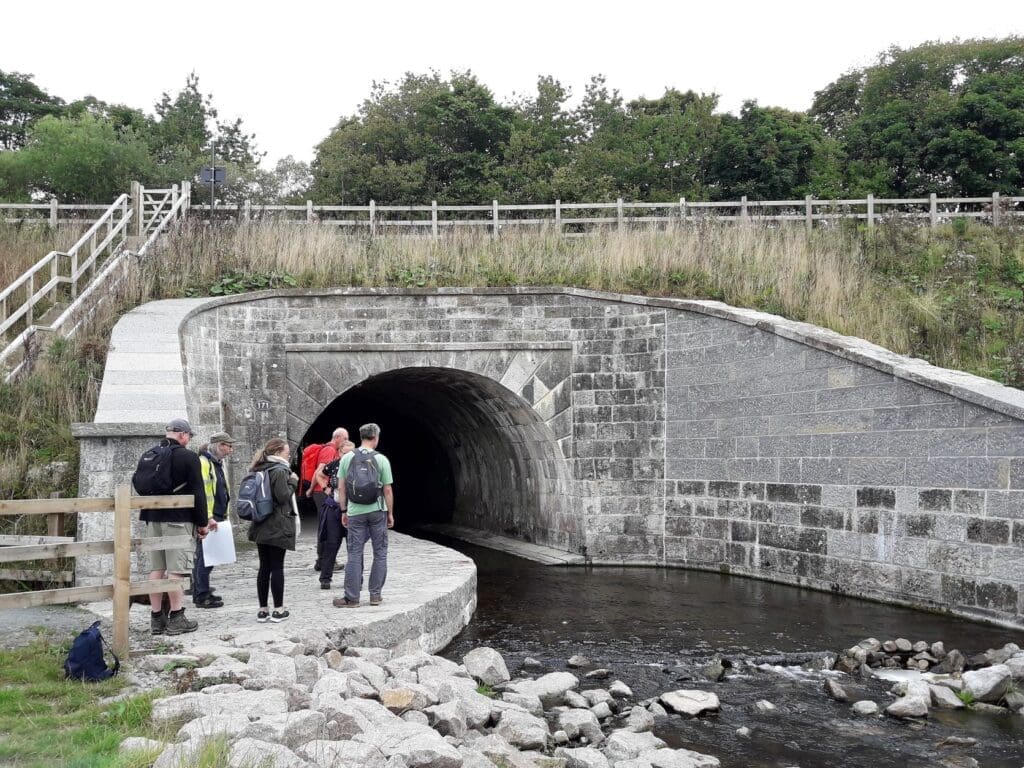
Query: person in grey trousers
[365, 521]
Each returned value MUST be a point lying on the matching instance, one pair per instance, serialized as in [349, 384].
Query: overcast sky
[291, 69]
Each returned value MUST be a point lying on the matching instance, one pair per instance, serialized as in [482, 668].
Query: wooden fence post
[122, 565]
[933, 211]
[373, 218]
[619, 214]
[995, 209]
[433, 218]
[54, 212]
[809, 213]
[871, 211]
[55, 522]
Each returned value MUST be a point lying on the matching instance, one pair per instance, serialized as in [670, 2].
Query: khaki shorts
[172, 560]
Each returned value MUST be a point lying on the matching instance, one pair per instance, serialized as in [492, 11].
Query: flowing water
[655, 628]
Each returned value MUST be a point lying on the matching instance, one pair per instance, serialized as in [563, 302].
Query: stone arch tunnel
[633, 430]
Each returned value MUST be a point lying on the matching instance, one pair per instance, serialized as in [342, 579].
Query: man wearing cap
[211, 457]
[186, 478]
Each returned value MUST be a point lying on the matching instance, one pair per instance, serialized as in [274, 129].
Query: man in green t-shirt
[366, 520]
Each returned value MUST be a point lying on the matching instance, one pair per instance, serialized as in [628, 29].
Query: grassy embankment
[953, 296]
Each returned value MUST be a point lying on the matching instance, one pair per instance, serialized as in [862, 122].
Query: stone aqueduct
[630, 430]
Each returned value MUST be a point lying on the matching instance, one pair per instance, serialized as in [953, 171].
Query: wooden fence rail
[121, 546]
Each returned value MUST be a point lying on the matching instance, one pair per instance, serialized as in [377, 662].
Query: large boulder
[487, 666]
[690, 703]
[681, 758]
[292, 729]
[581, 722]
[140, 744]
[189, 706]
[549, 688]
[639, 720]
[1016, 666]
[582, 757]
[249, 752]
[522, 730]
[835, 691]
[626, 745]
[476, 708]
[401, 697]
[527, 701]
[415, 745]
[271, 665]
[448, 719]
[212, 726]
[373, 673]
[342, 754]
[944, 698]
[989, 684]
[908, 707]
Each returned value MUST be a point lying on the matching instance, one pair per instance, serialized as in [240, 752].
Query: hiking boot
[177, 624]
[344, 602]
[325, 585]
[339, 567]
[157, 623]
[376, 599]
[210, 601]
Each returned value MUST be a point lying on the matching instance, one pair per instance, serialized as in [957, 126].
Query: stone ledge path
[429, 596]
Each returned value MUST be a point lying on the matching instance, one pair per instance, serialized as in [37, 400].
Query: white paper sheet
[219, 545]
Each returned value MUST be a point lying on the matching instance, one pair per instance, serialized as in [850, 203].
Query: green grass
[49, 722]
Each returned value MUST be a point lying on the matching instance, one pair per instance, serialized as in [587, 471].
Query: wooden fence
[578, 217]
[121, 546]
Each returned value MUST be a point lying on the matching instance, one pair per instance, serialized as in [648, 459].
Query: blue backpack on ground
[85, 661]
[255, 501]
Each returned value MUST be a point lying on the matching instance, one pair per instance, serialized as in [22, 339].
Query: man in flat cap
[211, 458]
[169, 468]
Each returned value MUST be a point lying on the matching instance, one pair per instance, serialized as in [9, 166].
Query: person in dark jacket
[211, 460]
[186, 479]
[275, 534]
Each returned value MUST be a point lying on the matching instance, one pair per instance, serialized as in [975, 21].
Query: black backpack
[153, 474]
[362, 479]
[85, 661]
[255, 500]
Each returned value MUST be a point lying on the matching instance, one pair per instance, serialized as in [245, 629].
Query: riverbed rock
[619, 690]
[595, 696]
[527, 701]
[870, 644]
[714, 671]
[639, 720]
[487, 666]
[292, 729]
[415, 716]
[522, 730]
[406, 696]
[413, 744]
[212, 726]
[271, 665]
[989, 684]
[944, 698]
[680, 758]
[903, 645]
[448, 719]
[889, 646]
[189, 706]
[835, 691]
[601, 710]
[656, 709]
[598, 674]
[764, 707]
[476, 708]
[908, 707]
[549, 688]
[578, 660]
[249, 752]
[1014, 701]
[140, 744]
[953, 664]
[1000, 655]
[581, 722]
[938, 650]
[226, 668]
[865, 708]
[690, 703]
[1016, 666]
[626, 745]
[342, 754]
[919, 647]
[582, 757]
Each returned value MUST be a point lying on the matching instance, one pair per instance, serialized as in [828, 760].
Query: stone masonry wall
[651, 431]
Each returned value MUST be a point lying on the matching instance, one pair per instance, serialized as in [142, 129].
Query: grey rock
[371, 672]
[178, 755]
[680, 758]
[990, 709]
[402, 697]
[989, 684]
[560, 738]
[158, 662]
[315, 641]
[944, 698]
[1001, 655]
[448, 719]
[953, 683]
[1016, 667]
[473, 758]
[582, 757]
[889, 646]
[527, 701]
[225, 668]
[598, 674]
[531, 663]
[271, 665]
[414, 744]
[595, 696]
[549, 688]
[476, 708]
[920, 646]
[249, 752]
[639, 720]
[626, 745]
[211, 726]
[958, 741]
[601, 710]
[379, 656]
[870, 644]
[342, 754]
[908, 707]
[953, 664]
[140, 744]
[580, 722]
[938, 650]
[307, 670]
[487, 666]
[690, 702]
[522, 730]
[764, 707]
[657, 710]
[211, 690]
[291, 729]
[743, 733]
[1014, 700]
[575, 700]
[903, 645]
[578, 661]
[189, 706]
[619, 690]
[835, 691]
[417, 717]
[865, 707]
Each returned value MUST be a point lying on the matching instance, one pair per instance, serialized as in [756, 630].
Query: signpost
[213, 175]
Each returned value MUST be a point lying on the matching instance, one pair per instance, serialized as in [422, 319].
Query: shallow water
[652, 626]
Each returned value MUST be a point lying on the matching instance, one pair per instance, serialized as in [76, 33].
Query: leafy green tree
[22, 102]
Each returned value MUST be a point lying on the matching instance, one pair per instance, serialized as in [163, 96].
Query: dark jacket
[278, 529]
[221, 497]
[185, 472]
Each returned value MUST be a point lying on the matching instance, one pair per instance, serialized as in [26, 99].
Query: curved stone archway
[477, 437]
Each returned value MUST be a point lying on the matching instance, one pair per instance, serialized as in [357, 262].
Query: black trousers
[329, 535]
[270, 577]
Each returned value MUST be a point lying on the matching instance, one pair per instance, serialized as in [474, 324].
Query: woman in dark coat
[275, 534]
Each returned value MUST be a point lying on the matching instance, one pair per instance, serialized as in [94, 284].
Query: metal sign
[214, 175]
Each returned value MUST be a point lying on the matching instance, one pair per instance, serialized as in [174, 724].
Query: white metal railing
[109, 235]
[577, 216]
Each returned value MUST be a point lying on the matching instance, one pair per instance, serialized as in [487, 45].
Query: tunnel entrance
[463, 449]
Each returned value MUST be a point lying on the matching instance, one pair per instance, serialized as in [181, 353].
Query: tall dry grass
[22, 245]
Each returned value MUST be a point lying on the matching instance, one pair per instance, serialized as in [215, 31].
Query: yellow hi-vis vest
[209, 482]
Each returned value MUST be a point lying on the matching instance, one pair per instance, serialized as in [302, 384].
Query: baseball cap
[222, 437]
[180, 425]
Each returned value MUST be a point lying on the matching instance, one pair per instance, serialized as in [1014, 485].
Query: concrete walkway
[429, 596]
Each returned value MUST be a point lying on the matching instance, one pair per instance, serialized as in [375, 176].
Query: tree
[22, 102]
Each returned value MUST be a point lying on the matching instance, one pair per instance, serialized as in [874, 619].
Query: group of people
[338, 488]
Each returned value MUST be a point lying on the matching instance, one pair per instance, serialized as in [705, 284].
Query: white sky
[291, 69]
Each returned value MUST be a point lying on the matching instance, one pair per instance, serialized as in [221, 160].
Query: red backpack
[310, 454]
